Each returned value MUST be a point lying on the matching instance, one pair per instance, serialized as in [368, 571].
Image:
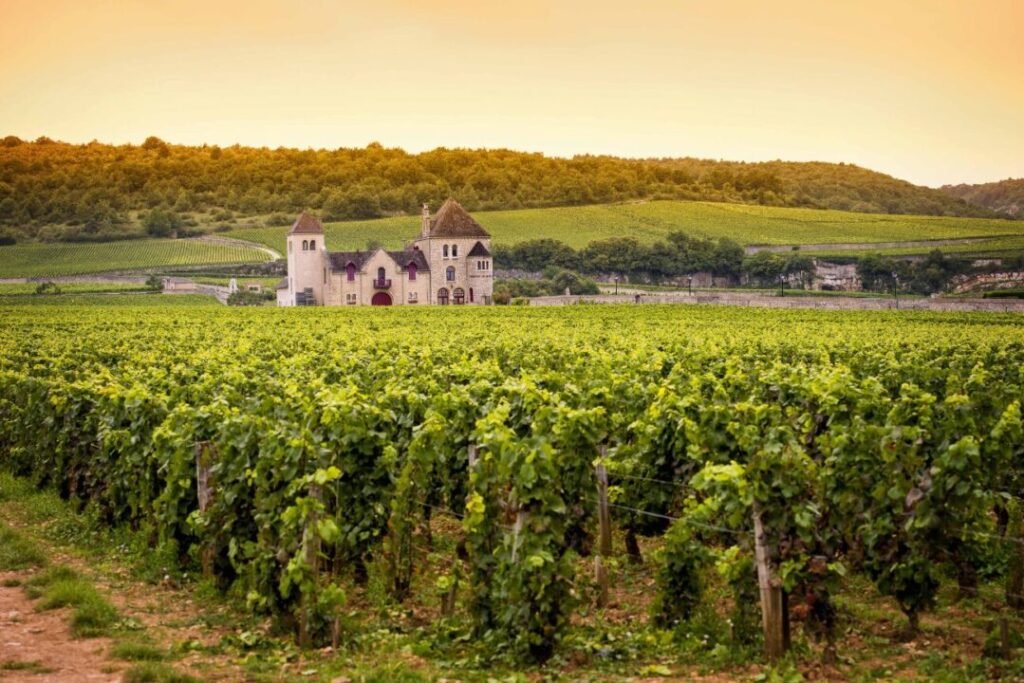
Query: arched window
[444, 251]
[459, 295]
[442, 296]
[312, 245]
[380, 273]
[411, 269]
[350, 270]
[450, 274]
[305, 245]
[455, 250]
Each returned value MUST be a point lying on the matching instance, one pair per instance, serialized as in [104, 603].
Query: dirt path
[163, 615]
[44, 639]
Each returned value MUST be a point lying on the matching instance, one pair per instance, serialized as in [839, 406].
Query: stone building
[449, 263]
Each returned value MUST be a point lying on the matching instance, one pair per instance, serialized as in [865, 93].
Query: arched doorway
[442, 296]
[381, 299]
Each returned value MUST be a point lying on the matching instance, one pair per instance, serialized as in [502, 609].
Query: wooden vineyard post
[448, 599]
[204, 492]
[772, 604]
[604, 519]
[311, 555]
[1015, 575]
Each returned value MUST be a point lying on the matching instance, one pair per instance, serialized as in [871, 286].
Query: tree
[800, 265]
[764, 267]
[161, 223]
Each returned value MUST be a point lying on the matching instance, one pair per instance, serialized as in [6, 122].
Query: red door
[381, 299]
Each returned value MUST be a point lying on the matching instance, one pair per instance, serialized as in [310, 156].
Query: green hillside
[1005, 197]
[650, 221]
[53, 259]
[54, 191]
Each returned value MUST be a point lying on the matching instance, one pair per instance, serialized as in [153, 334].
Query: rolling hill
[54, 191]
[1005, 197]
[651, 221]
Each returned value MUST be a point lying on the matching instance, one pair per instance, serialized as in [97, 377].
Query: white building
[449, 263]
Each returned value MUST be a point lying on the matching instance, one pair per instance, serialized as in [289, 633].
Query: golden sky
[927, 90]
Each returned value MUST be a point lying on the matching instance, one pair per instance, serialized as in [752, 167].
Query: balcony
[381, 284]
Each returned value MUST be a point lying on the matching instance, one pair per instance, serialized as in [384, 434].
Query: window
[312, 245]
[442, 296]
[380, 273]
[450, 274]
[455, 250]
[305, 245]
[325, 276]
[444, 251]
[470, 295]
[413, 298]
[350, 270]
[483, 265]
[350, 299]
[411, 269]
[459, 295]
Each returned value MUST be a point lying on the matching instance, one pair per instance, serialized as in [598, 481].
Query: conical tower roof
[306, 224]
[452, 220]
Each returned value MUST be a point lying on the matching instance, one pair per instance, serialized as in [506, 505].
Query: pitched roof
[404, 258]
[479, 250]
[340, 259]
[283, 284]
[452, 220]
[306, 224]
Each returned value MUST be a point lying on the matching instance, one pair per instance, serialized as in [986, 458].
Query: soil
[44, 638]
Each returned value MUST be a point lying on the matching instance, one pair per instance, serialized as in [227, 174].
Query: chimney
[425, 227]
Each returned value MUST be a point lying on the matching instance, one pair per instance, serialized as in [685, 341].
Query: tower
[458, 250]
[307, 265]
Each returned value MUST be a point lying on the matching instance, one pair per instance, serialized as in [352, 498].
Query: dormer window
[350, 271]
[411, 269]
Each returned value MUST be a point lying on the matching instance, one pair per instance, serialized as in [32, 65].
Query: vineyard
[504, 469]
[55, 259]
[651, 221]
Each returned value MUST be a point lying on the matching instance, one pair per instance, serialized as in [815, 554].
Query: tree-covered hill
[1004, 197]
[57, 191]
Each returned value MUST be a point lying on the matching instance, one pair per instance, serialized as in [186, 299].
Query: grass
[650, 221]
[153, 672]
[30, 667]
[154, 300]
[29, 288]
[62, 258]
[18, 552]
[60, 587]
[134, 651]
